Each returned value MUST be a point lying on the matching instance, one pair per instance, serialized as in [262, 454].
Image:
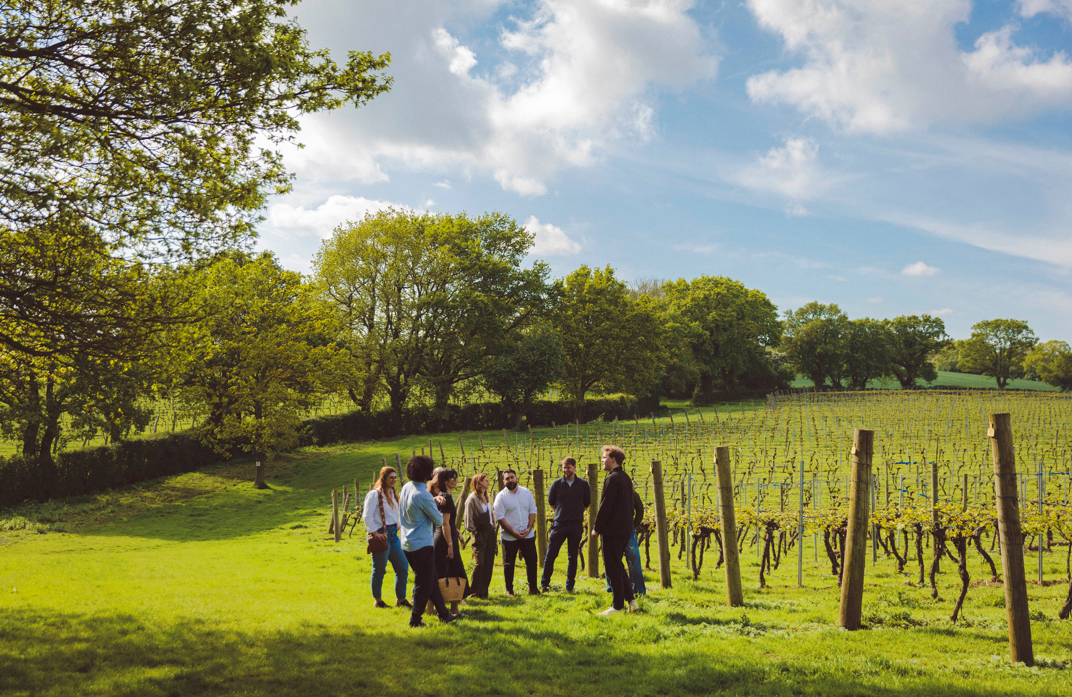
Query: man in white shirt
[515, 511]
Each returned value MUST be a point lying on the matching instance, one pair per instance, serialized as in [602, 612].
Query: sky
[908, 157]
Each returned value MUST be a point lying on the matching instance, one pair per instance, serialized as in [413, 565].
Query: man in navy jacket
[615, 523]
[570, 497]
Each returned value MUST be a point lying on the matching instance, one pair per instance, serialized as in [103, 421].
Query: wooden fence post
[593, 509]
[541, 515]
[335, 514]
[1012, 542]
[734, 592]
[661, 532]
[852, 581]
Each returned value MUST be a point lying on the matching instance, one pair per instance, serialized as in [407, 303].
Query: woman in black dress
[447, 541]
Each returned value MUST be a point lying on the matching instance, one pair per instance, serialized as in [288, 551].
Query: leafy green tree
[727, 328]
[142, 130]
[525, 370]
[948, 358]
[1052, 363]
[814, 342]
[867, 352]
[609, 341]
[264, 355]
[425, 299]
[997, 348]
[913, 341]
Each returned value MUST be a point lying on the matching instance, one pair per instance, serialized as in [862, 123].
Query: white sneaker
[633, 607]
[609, 611]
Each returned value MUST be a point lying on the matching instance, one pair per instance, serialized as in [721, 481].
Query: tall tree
[609, 341]
[525, 370]
[913, 341]
[727, 328]
[997, 348]
[866, 351]
[814, 342]
[1052, 363]
[425, 299]
[263, 356]
[144, 129]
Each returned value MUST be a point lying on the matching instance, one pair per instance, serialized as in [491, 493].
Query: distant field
[947, 379]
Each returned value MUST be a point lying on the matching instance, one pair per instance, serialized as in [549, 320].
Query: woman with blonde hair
[479, 520]
[381, 520]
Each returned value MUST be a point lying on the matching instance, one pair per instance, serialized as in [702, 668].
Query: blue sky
[891, 157]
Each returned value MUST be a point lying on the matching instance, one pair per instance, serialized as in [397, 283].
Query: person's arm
[587, 495]
[370, 513]
[448, 535]
[638, 510]
[551, 495]
[532, 514]
[606, 504]
[428, 506]
[500, 515]
[472, 510]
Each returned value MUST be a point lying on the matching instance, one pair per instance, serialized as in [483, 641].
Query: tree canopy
[913, 341]
[1052, 363]
[997, 348]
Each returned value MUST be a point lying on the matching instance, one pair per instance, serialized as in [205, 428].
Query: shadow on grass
[64, 654]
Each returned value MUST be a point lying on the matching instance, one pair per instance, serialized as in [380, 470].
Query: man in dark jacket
[570, 497]
[615, 523]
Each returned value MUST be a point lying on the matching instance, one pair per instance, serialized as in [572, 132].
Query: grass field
[201, 585]
[948, 379]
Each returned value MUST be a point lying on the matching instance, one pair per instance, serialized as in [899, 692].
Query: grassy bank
[200, 584]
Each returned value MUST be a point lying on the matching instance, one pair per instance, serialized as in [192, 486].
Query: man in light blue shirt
[417, 515]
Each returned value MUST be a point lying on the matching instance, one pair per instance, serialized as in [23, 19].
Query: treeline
[413, 316]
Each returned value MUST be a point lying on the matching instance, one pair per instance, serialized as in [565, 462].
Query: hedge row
[482, 416]
[78, 472]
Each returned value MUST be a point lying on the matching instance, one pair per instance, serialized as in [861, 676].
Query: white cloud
[445, 184]
[550, 240]
[875, 300]
[839, 279]
[1030, 8]
[789, 170]
[568, 80]
[880, 66]
[696, 248]
[286, 220]
[919, 269]
[944, 312]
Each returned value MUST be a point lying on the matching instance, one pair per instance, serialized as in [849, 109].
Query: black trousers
[527, 548]
[484, 549]
[613, 551]
[425, 584]
[571, 535]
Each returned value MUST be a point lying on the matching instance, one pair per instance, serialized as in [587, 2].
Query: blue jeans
[394, 554]
[636, 568]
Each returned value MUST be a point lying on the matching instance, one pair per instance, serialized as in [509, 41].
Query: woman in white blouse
[382, 497]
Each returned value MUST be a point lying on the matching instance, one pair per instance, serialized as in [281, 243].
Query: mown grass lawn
[201, 585]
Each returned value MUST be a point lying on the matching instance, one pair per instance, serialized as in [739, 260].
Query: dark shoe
[379, 603]
[419, 625]
[545, 589]
[533, 591]
[402, 602]
[448, 618]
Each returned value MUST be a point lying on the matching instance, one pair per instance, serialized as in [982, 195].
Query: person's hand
[462, 543]
[450, 552]
[441, 500]
[594, 533]
[379, 536]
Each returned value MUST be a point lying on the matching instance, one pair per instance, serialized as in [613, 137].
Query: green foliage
[526, 369]
[948, 359]
[261, 358]
[1052, 363]
[997, 348]
[868, 351]
[609, 341]
[814, 342]
[726, 328]
[912, 341]
[425, 299]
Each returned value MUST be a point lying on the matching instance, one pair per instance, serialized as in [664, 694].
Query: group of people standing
[421, 527]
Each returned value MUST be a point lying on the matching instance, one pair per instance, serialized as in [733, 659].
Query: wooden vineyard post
[593, 509]
[460, 505]
[734, 592]
[1012, 543]
[541, 515]
[661, 532]
[335, 514]
[852, 582]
